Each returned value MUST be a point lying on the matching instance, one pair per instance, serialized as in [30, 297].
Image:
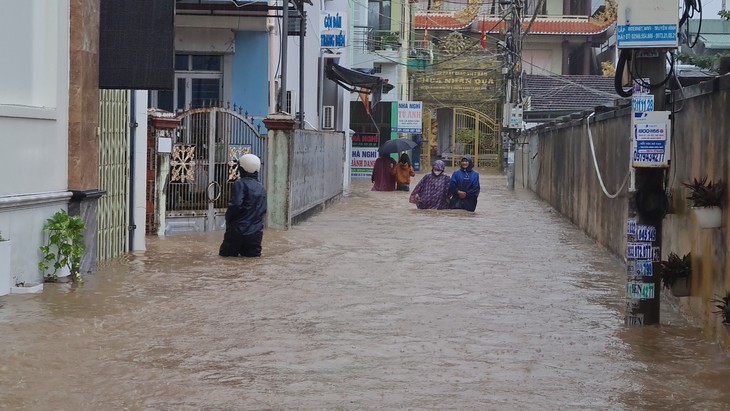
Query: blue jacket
[466, 180]
[247, 207]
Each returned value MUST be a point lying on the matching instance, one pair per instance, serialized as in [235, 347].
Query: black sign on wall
[137, 44]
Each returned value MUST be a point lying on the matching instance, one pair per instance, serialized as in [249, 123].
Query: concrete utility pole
[513, 40]
[645, 206]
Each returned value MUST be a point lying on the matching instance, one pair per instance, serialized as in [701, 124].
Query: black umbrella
[397, 145]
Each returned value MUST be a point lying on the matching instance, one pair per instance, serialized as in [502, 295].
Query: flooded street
[371, 304]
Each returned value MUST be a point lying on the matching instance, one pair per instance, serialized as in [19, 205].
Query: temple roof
[545, 26]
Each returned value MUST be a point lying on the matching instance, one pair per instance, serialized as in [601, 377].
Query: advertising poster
[650, 139]
[410, 117]
[364, 154]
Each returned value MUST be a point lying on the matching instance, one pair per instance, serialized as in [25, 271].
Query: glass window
[206, 63]
[181, 94]
[204, 91]
[181, 62]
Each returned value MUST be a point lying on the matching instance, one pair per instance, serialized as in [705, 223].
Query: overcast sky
[711, 7]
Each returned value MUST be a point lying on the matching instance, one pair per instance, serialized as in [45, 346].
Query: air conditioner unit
[328, 117]
[291, 102]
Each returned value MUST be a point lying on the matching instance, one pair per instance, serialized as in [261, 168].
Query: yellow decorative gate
[114, 152]
[475, 134]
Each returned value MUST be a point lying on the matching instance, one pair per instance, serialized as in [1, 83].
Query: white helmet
[250, 163]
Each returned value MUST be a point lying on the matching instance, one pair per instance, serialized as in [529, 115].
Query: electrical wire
[595, 163]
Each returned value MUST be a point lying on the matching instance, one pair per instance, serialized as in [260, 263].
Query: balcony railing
[368, 40]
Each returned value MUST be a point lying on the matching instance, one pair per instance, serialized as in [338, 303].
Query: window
[198, 83]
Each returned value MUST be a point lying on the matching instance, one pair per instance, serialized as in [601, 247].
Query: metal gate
[202, 167]
[475, 134]
[114, 152]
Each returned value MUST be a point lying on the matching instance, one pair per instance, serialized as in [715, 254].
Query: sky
[711, 7]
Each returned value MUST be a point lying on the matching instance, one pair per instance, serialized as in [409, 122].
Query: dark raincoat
[245, 217]
[466, 180]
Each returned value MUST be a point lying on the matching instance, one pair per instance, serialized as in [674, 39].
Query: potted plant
[723, 308]
[676, 274]
[389, 40]
[64, 248]
[706, 201]
[4, 265]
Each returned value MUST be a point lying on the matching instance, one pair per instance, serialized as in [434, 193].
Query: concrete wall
[304, 171]
[316, 169]
[34, 126]
[556, 162]
[558, 165]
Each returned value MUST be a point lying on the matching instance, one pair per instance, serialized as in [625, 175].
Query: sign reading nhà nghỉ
[363, 155]
[333, 30]
[410, 117]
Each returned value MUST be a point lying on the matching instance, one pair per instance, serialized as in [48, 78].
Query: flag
[365, 98]
[484, 34]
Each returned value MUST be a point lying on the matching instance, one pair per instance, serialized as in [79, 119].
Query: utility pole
[646, 32]
[512, 74]
[284, 43]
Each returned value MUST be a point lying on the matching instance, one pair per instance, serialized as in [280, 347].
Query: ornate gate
[202, 167]
[114, 152]
[475, 134]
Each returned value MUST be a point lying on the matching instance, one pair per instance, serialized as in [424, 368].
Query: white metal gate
[201, 166]
[114, 152]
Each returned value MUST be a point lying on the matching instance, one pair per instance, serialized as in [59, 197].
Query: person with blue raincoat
[464, 186]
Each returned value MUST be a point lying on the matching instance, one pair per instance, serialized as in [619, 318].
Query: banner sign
[641, 36]
[364, 153]
[333, 30]
[410, 117]
[650, 139]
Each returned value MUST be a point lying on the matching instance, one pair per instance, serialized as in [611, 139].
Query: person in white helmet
[246, 210]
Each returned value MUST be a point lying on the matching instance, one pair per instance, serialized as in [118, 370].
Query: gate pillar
[159, 146]
[278, 170]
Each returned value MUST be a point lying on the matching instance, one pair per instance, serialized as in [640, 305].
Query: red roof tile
[540, 26]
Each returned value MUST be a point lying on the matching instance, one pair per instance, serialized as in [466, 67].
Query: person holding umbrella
[464, 186]
[403, 171]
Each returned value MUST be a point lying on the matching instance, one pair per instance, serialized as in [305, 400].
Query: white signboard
[650, 139]
[410, 117]
[362, 161]
[333, 30]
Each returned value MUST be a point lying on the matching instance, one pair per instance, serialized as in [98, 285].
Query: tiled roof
[572, 93]
[446, 21]
[440, 21]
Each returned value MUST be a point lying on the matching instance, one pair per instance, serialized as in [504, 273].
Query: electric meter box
[513, 116]
[645, 24]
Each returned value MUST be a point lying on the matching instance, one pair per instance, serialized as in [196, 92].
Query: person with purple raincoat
[432, 192]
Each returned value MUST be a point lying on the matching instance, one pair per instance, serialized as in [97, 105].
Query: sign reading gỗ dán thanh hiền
[650, 139]
[410, 117]
[332, 30]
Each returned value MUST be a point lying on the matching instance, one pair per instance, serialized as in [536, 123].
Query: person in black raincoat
[464, 186]
[246, 210]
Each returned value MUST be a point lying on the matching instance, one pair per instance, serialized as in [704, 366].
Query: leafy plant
[65, 246]
[675, 269]
[723, 307]
[705, 193]
[389, 39]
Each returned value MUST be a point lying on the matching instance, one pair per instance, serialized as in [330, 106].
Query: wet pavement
[370, 304]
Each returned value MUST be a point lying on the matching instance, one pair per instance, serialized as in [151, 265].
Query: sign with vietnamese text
[646, 36]
[363, 154]
[640, 291]
[650, 139]
[333, 30]
[410, 117]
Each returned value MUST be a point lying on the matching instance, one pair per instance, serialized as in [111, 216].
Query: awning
[354, 81]
[716, 41]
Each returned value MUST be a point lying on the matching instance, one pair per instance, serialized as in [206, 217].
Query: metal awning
[716, 41]
[354, 81]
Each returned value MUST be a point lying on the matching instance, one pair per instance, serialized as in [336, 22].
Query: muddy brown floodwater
[370, 304]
